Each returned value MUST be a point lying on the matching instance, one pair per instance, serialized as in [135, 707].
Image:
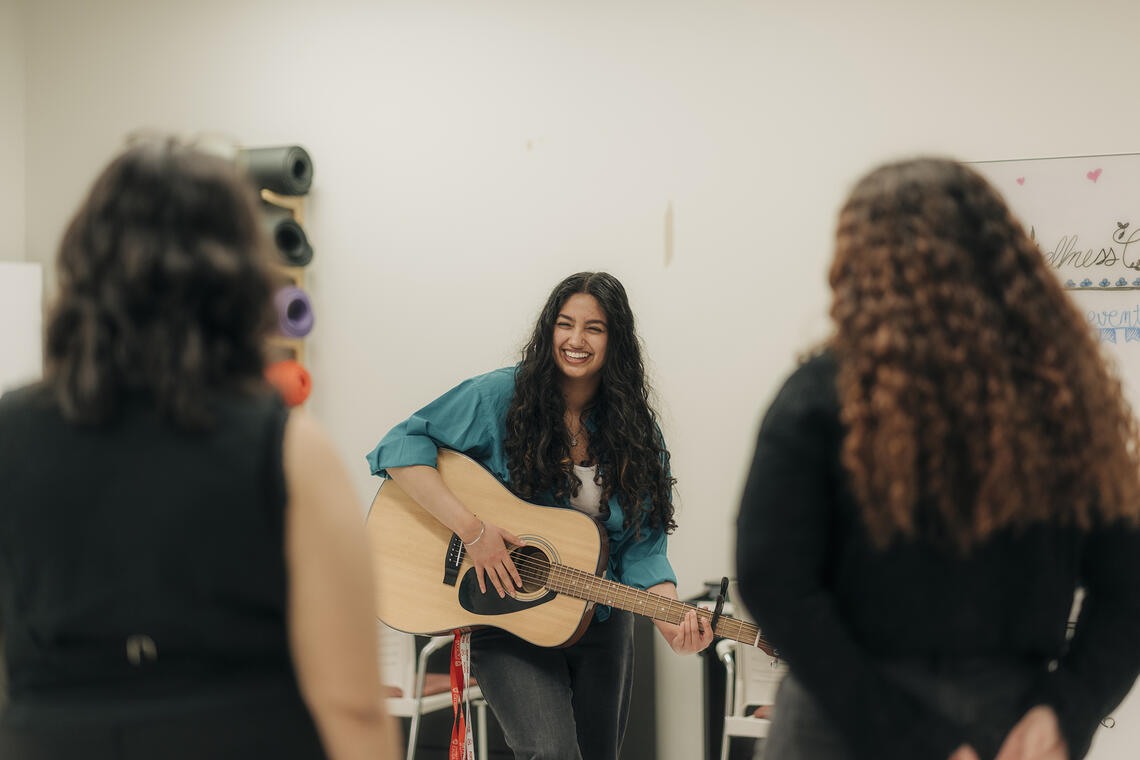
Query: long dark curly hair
[165, 288]
[626, 442]
[972, 391]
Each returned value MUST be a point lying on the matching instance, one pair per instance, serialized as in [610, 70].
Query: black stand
[712, 679]
[719, 604]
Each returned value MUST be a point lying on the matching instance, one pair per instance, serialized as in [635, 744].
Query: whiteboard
[21, 323]
[1084, 213]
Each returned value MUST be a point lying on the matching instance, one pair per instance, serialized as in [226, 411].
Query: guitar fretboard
[583, 585]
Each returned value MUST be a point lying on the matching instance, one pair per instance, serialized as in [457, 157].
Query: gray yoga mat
[287, 169]
[289, 238]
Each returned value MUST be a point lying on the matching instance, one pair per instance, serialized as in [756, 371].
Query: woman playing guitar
[569, 426]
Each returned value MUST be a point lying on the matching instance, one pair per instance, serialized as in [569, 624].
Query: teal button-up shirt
[471, 418]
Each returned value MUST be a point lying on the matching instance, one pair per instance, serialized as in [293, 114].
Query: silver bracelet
[482, 530]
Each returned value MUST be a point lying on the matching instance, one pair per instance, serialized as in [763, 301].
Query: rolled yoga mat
[291, 380]
[286, 169]
[289, 238]
[294, 312]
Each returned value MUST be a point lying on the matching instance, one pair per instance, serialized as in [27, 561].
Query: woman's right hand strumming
[489, 551]
[486, 543]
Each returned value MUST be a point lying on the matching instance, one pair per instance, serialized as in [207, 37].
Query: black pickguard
[475, 601]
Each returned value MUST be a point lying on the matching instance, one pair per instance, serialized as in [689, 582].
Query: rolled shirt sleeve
[464, 419]
[644, 563]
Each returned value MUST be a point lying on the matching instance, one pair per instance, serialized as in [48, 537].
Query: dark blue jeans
[559, 704]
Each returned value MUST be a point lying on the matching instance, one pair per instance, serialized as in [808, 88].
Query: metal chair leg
[414, 729]
[729, 696]
[482, 711]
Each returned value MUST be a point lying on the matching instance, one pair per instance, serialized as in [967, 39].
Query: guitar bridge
[453, 560]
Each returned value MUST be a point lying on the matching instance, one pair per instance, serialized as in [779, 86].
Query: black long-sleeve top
[834, 605]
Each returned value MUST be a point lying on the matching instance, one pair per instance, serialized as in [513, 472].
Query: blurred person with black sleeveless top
[183, 573]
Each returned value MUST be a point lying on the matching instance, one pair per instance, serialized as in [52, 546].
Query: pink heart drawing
[1094, 175]
[1021, 180]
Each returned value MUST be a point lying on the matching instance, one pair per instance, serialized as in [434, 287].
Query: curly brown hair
[165, 288]
[973, 394]
[627, 442]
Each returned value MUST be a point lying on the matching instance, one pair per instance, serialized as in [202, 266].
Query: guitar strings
[541, 572]
[673, 611]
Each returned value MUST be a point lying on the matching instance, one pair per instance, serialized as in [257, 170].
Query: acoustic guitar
[426, 584]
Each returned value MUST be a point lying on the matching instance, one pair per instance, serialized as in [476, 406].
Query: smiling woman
[580, 337]
[569, 426]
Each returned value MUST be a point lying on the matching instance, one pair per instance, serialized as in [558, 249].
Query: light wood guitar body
[426, 584]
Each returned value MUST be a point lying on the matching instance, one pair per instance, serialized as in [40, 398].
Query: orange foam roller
[291, 380]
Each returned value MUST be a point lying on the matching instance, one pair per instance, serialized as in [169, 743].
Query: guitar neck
[583, 585]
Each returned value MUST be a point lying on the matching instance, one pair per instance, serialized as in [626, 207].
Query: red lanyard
[462, 748]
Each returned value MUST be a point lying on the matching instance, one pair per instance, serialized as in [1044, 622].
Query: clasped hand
[1035, 737]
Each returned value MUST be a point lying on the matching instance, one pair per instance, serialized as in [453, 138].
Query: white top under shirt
[589, 498]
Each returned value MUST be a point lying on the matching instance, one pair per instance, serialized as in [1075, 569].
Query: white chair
[752, 678]
[414, 692]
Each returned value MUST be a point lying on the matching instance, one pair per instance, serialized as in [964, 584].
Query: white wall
[12, 77]
[469, 155]
[21, 314]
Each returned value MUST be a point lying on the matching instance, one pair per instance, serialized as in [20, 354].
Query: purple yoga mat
[294, 312]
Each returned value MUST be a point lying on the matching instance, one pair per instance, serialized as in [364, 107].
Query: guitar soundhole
[533, 566]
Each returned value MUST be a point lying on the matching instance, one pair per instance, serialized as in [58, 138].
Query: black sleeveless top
[141, 561]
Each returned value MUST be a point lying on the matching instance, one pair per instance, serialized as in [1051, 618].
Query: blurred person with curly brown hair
[930, 490]
[183, 573]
